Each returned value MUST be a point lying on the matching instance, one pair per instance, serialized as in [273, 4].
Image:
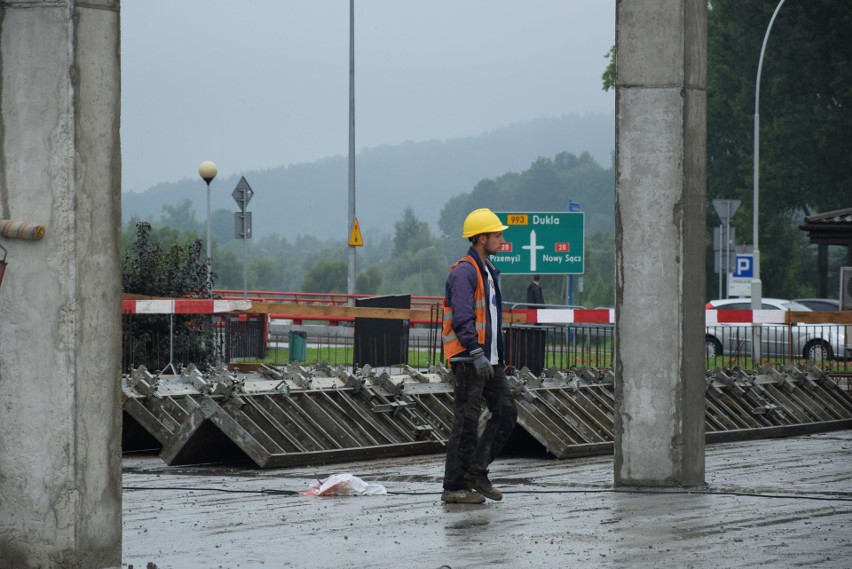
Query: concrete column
[660, 233]
[60, 323]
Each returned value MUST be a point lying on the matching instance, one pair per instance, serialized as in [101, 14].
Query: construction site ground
[767, 503]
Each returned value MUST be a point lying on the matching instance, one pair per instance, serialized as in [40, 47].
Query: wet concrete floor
[768, 503]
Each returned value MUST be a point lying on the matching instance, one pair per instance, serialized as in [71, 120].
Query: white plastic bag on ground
[344, 485]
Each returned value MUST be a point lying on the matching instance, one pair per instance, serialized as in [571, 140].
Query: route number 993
[517, 219]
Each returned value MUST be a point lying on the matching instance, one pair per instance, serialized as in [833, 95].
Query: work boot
[462, 497]
[479, 482]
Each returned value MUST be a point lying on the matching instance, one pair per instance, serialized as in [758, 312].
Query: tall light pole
[756, 284]
[351, 265]
[207, 170]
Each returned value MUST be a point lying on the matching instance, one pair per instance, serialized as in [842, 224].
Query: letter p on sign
[744, 266]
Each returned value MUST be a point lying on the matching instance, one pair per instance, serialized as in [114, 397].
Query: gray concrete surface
[769, 503]
[660, 227]
[60, 327]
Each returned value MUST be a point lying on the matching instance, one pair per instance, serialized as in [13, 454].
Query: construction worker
[473, 344]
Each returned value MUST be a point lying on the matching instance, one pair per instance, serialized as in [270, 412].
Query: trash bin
[381, 341]
[298, 344]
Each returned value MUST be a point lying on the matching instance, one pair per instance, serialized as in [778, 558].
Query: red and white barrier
[534, 316]
[607, 316]
[744, 317]
[571, 316]
[183, 306]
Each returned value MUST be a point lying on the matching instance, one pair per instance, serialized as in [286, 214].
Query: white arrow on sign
[532, 248]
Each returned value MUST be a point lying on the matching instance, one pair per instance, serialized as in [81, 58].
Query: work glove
[483, 367]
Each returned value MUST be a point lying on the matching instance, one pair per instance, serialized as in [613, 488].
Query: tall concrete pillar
[660, 219]
[60, 327]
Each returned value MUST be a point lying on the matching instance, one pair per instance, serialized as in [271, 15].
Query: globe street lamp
[207, 170]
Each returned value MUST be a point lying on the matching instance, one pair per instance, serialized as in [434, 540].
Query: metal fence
[166, 343]
[538, 347]
[567, 346]
[242, 337]
[149, 341]
[827, 346]
[336, 345]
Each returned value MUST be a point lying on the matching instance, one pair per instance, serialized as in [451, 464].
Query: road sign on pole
[721, 245]
[548, 243]
[726, 209]
[242, 194]
[739, 282]
[355, 238]
[242, 225]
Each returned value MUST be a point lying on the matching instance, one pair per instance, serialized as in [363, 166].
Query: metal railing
[827, 346]
[535, 346]
[564, 346]
[166, 343]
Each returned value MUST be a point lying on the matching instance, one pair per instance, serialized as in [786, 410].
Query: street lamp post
[756, 284]
[207, 170]
[351, 270]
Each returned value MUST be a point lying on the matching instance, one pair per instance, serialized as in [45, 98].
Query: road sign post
[547, 243]
[242, 194]
[725, 209]
[739, 282]
[569, 292]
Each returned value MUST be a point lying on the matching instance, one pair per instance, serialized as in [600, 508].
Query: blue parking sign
[744, 266]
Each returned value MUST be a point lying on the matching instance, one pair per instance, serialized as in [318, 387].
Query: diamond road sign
[242, 193]
[542, 243]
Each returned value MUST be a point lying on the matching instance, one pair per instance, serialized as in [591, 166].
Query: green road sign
[542, 243]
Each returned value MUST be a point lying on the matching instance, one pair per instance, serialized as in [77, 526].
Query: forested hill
[312, 198]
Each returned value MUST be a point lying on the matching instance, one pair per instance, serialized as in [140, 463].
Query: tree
[228, 267]
[546, 185]
[805, 121]
[222, 227]
[368, 281]
[599, 279]
[149, 269]
[542, 187]
[417, 264]
[608, 77]
[180, 217]
[264, 274]
[328, 275]
[177, 272]
[410, 234]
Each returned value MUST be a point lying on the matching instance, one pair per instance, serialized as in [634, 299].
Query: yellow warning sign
[355, 239]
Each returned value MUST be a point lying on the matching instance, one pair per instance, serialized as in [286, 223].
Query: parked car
[820, 304]
[813, 342]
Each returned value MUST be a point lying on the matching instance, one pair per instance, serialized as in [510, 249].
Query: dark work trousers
[466, 450]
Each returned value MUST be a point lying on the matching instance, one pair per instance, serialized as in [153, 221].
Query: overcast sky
[259, 84]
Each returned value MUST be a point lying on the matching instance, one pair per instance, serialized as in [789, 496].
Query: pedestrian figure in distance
[473, 344]
[535, 296]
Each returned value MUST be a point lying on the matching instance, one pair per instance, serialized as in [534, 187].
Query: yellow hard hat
[482, 221]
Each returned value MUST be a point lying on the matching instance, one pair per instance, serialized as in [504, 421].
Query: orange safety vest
[452, 346]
